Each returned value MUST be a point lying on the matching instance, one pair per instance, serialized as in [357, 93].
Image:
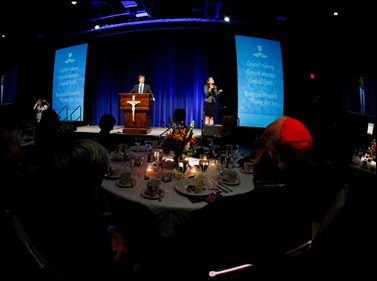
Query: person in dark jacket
[259, 226]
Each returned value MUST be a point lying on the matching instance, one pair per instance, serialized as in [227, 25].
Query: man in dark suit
[142, 88]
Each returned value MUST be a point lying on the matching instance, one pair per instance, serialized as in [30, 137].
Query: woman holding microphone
[211, 93]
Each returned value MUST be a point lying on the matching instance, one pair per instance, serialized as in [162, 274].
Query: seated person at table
[258, 226]
[106, 124]
[70, 219]
[228, 132]
[48, 130]
[14, 162]
[179, 117]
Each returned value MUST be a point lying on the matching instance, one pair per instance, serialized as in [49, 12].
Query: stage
[118, 130]
[209, 131]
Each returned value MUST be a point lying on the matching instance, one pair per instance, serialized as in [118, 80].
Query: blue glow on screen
[69, 82]
[260, 81]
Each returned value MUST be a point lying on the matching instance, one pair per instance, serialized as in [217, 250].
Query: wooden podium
[136, 109]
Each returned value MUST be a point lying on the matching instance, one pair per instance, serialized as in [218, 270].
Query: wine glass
[216, 151]
[234, 153]
[137, 141]
[222, 162]
[183, 164]
[122, 150]
[203, 164]
[138, 161]
[235, 150]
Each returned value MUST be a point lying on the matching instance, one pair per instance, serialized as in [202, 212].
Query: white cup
[232, 176]
[247, 166]
[126, 177]
[153, 187]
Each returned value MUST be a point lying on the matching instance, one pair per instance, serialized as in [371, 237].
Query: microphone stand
[201, 137]
[168, 128]
[164, 132]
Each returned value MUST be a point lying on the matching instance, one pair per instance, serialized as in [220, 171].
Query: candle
[149, 170]
[372, 166]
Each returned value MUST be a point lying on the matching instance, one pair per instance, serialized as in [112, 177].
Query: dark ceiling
[21, 19]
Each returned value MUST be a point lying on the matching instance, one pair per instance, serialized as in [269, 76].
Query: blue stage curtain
[176, 64]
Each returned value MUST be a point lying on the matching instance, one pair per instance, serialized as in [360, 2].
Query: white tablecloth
[174, 208]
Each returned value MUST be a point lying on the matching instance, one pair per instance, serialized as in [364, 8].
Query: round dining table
[173, 204]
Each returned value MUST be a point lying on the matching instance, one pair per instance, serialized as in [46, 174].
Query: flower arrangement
[180, 139]
[372, 149]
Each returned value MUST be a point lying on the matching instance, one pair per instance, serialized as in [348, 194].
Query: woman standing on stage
[211, 93]
[40, 106]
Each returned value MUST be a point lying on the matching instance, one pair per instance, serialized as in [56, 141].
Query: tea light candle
[194, 170]
[372, 166]
[149, 170]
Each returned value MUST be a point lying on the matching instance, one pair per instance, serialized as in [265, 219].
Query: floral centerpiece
[180, 140]
[372, 149]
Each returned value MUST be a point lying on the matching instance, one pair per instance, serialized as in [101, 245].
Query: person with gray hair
[71, 217]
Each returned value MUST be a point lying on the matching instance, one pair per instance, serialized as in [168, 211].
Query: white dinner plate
[113, 174]
[224, 180]
[141, 148]
[185, 187]
[116, 156]
[202, 149]
[145, 193]
[128, 184]
[246, 172]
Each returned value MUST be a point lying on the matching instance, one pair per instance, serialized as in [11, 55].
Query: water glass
[222, 162]
[203, 164]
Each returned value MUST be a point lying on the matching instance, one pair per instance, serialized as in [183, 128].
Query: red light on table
[312, 76]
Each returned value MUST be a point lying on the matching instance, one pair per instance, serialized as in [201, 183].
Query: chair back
[296, 261]
[47, 270]
[327, 229]
[292, 259]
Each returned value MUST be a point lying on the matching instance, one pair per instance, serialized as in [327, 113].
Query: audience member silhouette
[13, 162]
[258, 226]
[70, 218]
[12, 170]
[228, 132]
[106, 124]
[48, 129]
[179, 117]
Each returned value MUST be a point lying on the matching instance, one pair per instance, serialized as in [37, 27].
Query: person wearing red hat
[261, 225]
[283, 147]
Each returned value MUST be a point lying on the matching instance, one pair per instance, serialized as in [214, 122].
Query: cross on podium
[133, 103]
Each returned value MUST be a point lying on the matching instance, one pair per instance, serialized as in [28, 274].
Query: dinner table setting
[170, 190]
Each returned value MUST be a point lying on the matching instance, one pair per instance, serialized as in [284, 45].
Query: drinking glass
[234, 154]
[222, 162]
[235, 150]
[122, 150]
[137, 141]
[138, 161]
[216, 151]
[203, 164]
[183, 164]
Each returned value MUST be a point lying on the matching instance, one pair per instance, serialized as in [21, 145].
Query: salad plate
[194, 187]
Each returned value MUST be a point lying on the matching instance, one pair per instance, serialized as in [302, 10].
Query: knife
[223, 188]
